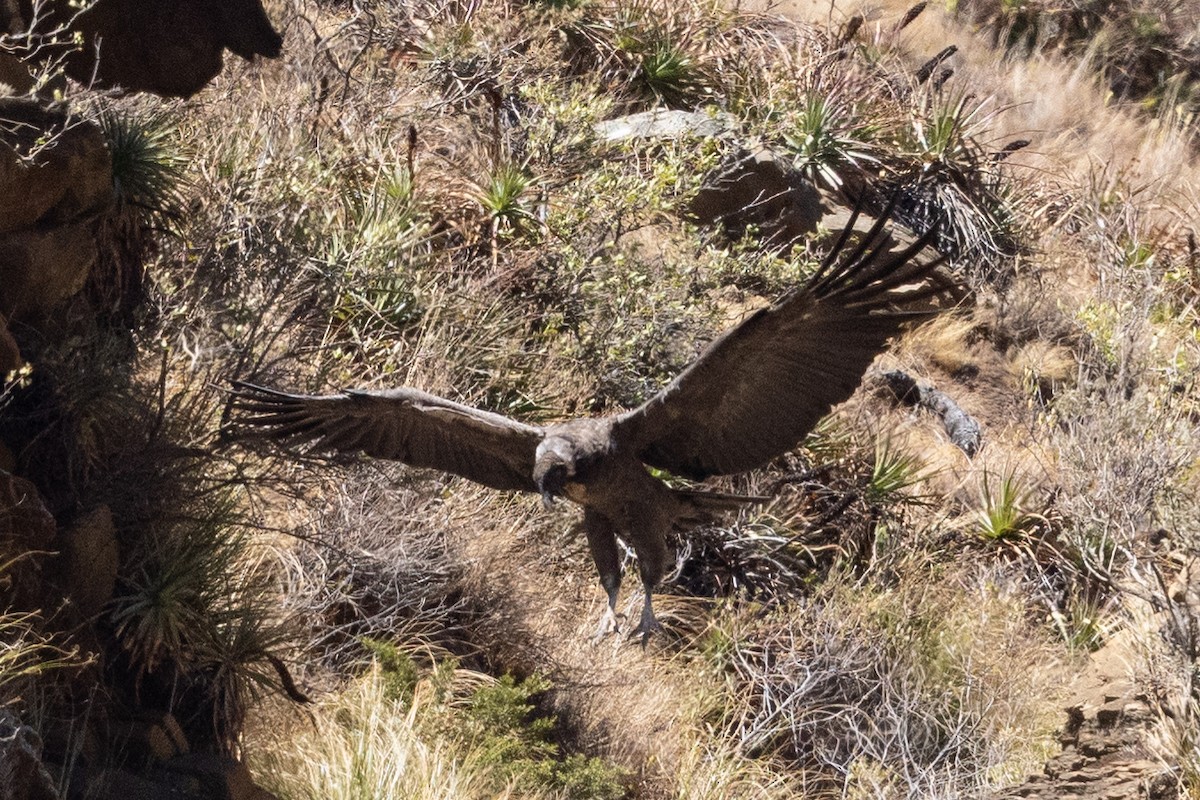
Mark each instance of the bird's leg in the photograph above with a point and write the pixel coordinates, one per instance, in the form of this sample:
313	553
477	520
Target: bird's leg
608	620
652	556
602	542
649	623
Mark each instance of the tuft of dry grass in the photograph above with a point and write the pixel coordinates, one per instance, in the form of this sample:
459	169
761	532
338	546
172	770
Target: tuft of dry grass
362	744
946	342
1043	366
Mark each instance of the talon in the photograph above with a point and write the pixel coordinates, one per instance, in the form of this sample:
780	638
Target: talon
645	630
649	623
608	624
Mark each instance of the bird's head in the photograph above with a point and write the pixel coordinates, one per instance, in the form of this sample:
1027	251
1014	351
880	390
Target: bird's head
555	466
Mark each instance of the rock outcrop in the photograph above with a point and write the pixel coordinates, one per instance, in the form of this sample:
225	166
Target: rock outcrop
759	188
55	184
1104	753
168	47
753	188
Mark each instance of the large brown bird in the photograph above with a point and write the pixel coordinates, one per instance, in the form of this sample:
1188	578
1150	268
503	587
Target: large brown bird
749	397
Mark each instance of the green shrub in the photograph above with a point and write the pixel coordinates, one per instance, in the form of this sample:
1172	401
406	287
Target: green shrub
499	725
400	672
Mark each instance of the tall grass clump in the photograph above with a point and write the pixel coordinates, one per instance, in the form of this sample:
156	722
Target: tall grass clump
405	730
365	744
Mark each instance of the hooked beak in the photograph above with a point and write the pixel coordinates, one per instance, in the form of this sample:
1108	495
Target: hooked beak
547	499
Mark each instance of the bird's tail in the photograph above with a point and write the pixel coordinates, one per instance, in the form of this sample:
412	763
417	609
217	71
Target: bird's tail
698	507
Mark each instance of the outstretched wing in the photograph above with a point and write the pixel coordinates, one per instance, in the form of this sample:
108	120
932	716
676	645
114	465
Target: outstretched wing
406	425
764	384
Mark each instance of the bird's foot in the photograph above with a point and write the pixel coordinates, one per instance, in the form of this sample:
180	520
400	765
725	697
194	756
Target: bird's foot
609	623
648	625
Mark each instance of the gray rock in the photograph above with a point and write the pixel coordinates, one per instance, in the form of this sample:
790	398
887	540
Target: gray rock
661	123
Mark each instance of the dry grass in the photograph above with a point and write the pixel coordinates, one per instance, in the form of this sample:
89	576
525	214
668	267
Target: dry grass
362	744
908	689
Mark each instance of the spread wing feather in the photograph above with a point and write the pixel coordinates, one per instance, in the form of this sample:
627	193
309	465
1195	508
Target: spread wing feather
764	384
417	428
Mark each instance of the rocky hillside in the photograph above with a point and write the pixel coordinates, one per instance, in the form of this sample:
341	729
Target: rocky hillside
978	577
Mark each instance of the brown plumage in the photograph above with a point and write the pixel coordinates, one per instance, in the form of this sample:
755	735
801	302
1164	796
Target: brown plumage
752	395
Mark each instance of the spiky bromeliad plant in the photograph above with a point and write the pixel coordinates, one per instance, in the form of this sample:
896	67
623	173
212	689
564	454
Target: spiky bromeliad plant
648	48
1003	515
504	195
670	74
148	178
197	612
147	162
893	472
824	136
948	179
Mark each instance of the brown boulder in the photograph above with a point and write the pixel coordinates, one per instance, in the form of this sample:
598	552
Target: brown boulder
53	167
119	784
55	184
763	190
88	561
40	269
151	738
168	47
212	776
27	535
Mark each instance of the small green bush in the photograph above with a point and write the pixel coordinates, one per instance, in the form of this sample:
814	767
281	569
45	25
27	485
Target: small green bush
499	724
